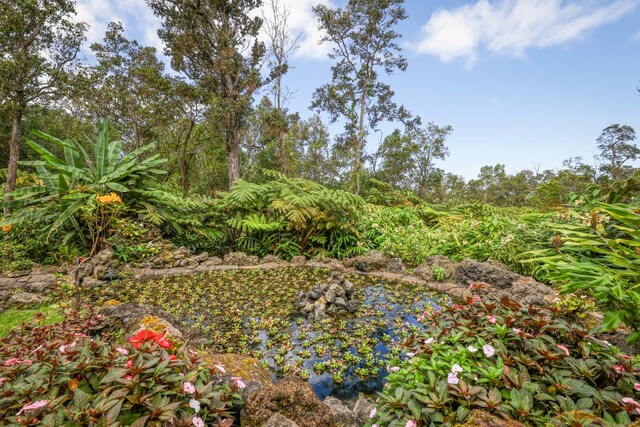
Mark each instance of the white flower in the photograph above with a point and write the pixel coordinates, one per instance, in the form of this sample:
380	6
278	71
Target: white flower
472	349
456	368
195	405
488	350
373	413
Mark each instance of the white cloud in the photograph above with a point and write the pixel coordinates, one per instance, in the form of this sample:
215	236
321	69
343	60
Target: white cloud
140	22
510	27
303	21
137	18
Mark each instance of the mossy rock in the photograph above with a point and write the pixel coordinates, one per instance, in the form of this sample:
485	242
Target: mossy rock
110	303
485	419
239	365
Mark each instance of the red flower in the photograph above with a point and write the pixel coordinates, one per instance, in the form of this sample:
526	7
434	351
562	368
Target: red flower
619	368
148	335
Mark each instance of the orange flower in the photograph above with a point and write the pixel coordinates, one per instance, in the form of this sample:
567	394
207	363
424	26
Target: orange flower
7	228
109	198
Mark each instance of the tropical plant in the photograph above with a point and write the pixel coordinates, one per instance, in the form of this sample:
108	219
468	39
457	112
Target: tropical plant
598	250
290	216
56	375
76	193
516	362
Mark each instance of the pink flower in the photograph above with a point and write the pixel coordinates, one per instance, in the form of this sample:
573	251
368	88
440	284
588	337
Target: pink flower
26	362
563	348
238	382
373	413
429	340
394	368
619	368
129	363
488	350
220	368
517	331
636	386
2	380
626	357
79	335
197	422
33	406
411	423
128	377
188	388
631	405
491	318
452	378
122	350
12	361
63	348
456	368
475	299
411	354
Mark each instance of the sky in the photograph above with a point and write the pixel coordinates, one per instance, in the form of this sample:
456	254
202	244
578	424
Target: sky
525	83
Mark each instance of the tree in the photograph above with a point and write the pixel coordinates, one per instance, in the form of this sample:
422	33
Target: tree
281	44
215	43
127	87
408	160
616	149
364	43
39	44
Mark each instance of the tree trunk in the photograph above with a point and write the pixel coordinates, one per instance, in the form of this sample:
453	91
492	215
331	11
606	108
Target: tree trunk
357	167
233	154
182	157
282	146
14	156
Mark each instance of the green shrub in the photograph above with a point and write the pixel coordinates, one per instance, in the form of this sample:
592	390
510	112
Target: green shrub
522	363
55	375
292	216
598	251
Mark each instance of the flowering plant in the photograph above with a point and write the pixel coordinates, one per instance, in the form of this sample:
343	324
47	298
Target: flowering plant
522	363
56	375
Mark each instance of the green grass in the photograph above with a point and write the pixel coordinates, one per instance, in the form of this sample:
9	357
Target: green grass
11	318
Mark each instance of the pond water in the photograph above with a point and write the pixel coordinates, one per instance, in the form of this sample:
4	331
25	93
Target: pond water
253	312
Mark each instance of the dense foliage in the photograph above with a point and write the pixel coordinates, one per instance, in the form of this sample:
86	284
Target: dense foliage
56	375
522	363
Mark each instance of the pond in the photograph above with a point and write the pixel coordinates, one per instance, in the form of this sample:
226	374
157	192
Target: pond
254	312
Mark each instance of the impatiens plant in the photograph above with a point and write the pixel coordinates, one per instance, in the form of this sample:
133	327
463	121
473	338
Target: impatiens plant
522	363
56	375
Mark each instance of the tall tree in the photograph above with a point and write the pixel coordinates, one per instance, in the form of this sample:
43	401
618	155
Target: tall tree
281	44
215	43
39	44
127	87
364	43
616	148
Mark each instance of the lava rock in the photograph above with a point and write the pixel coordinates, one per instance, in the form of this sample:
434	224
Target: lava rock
425	270
493	273
484	419
279	420
342	415
240	259
25	300
372	262
362	409
396	266
292	398
272	259
298	260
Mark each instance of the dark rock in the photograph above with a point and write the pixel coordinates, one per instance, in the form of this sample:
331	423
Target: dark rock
425	270
362	409
484	419
352	306
315	292
497	275
40	287
396	266
340	302
342	415
372	262
128	316
201	257
279	420
348	288
188	262
240	259
90	282
25	300
298	260
105	272
18	273
292	398
619	339
272	259
105	266
212	261
84	270
349	262
181	253
527	291
5	295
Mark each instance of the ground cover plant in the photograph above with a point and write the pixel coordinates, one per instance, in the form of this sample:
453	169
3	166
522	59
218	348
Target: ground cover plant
227	308
522	363
56	375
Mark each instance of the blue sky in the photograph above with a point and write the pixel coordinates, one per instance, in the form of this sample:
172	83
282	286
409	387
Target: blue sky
526	83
